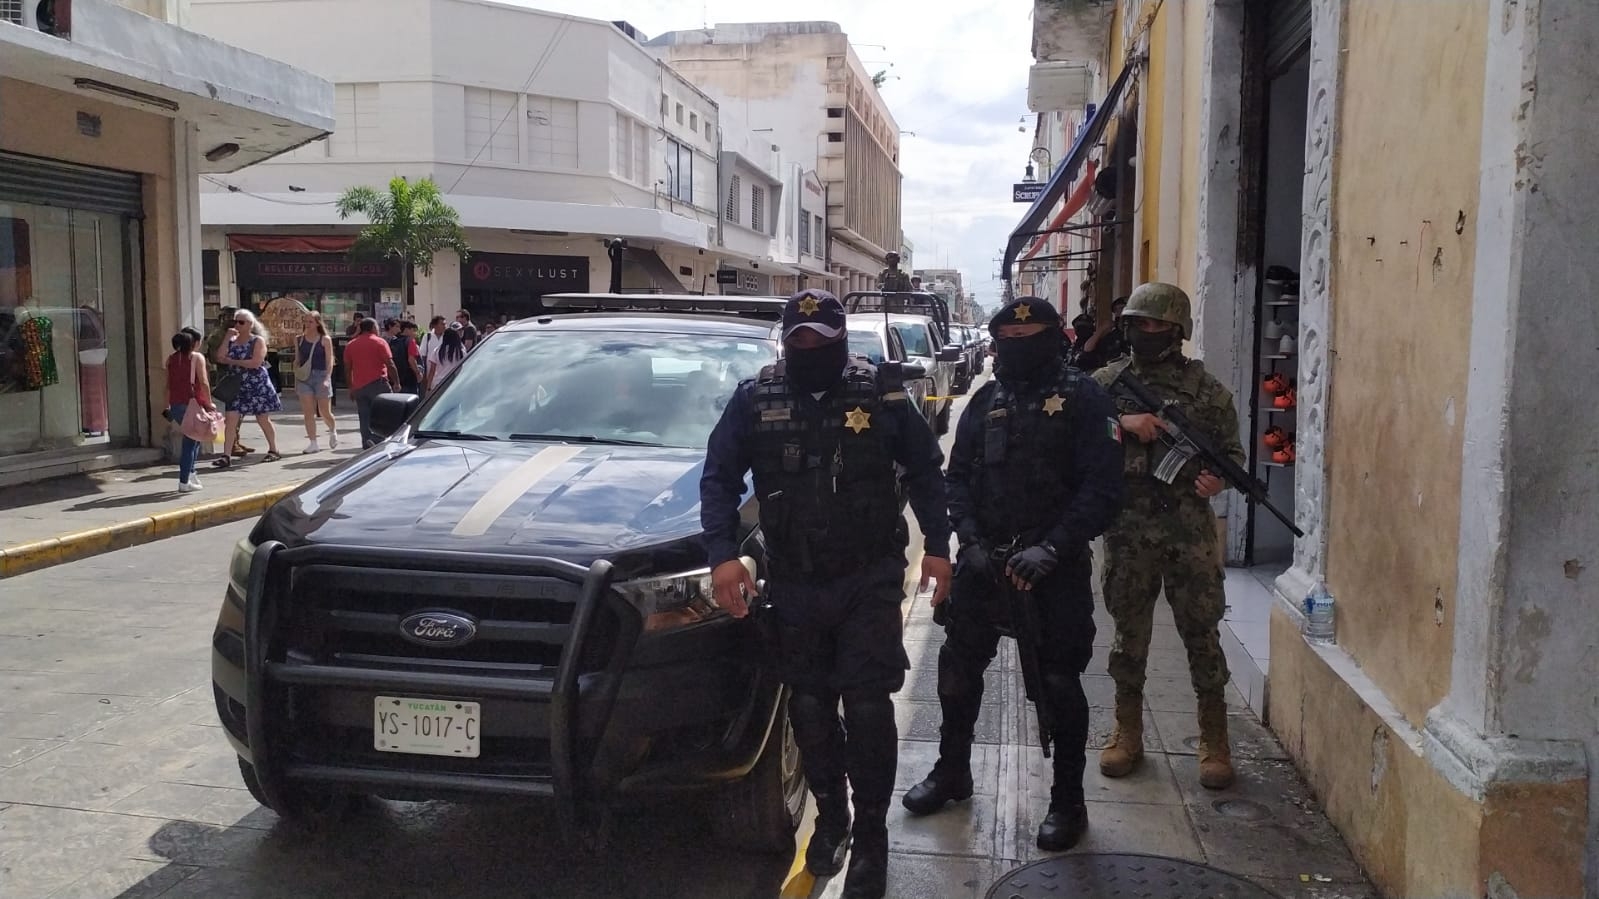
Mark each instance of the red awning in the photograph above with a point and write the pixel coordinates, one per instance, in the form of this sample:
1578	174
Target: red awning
1074	204
290	243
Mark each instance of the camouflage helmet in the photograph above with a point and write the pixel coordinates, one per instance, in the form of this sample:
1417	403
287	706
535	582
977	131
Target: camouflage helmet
1163	303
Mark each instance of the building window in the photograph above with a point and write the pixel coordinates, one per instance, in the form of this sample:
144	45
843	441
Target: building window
804	232
358	128
680	113
835	112
758	208
821	238
734	187
694	121
552	132
679	171
710	132
491	135
632	150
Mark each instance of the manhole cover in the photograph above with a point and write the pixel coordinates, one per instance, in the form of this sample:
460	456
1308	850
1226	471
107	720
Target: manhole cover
1241	808
1112	876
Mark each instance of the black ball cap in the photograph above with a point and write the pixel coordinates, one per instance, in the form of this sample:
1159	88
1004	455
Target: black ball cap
817	310
1025	311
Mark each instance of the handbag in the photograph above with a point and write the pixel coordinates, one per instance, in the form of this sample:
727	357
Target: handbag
228	385
302	370
200	424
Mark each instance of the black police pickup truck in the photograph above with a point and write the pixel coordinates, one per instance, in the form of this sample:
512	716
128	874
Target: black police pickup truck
508	596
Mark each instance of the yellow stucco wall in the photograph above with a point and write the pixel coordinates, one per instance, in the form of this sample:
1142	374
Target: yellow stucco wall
1405	217
1193	80
1152	89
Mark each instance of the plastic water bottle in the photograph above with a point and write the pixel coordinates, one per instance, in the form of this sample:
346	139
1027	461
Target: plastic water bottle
1319	614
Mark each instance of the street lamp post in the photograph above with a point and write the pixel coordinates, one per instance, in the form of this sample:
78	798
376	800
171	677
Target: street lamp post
1047	160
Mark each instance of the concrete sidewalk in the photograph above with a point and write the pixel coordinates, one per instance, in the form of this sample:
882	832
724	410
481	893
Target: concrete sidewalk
65	519
1266	829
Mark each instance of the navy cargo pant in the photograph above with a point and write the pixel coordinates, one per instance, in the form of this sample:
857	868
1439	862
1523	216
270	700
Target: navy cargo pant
841	640
971	638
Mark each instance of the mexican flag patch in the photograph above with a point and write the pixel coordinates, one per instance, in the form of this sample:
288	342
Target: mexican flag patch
1114	429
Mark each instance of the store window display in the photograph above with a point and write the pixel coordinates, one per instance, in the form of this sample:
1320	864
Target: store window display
65	335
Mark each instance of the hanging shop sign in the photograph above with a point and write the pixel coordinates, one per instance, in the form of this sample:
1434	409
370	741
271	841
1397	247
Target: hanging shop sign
1026	191
526	272
280	271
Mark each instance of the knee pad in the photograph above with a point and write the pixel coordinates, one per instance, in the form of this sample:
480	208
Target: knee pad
815	717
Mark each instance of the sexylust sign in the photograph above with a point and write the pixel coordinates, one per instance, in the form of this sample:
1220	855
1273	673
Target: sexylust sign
526	272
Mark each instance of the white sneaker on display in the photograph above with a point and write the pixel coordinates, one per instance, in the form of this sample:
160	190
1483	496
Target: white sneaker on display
313	446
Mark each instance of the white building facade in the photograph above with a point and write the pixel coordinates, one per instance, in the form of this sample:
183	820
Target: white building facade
110	114
549	134
803	83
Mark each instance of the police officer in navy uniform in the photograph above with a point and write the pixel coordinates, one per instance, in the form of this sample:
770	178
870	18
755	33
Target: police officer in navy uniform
823	431
1035	474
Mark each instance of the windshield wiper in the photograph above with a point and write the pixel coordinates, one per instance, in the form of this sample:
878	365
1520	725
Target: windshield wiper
585	438
452	435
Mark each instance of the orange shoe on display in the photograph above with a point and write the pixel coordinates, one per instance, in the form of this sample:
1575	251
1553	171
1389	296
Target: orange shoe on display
1275	438
1275	384
1284	456
1284	400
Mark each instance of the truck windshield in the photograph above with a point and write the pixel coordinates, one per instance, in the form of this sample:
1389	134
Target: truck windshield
915	339
868	344
659	389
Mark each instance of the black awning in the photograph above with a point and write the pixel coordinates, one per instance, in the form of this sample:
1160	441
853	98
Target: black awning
1061	180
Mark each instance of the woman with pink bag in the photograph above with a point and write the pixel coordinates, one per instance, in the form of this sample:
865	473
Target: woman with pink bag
189	406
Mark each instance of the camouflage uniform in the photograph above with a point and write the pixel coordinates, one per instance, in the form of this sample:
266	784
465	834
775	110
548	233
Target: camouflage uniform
893	279
1165	537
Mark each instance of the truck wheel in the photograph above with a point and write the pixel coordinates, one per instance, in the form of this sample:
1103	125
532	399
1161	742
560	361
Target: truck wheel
300	807
941	424
760	813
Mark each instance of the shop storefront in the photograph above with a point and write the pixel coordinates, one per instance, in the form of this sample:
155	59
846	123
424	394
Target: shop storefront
325	282
68	268
499	287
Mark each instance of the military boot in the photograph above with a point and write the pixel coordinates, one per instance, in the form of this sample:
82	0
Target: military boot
830	840
1064	826
1215	756
868	859
1126	749
949	781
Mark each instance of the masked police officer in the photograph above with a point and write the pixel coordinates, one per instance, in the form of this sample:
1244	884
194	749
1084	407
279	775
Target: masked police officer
1035	475
823	431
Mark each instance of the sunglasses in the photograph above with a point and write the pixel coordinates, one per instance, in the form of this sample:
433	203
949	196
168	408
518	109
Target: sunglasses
241	321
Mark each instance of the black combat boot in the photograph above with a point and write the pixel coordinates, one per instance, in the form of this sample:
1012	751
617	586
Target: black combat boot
830	840
1063	827
868	859
949	781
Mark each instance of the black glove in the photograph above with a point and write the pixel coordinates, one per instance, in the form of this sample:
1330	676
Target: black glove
1033	564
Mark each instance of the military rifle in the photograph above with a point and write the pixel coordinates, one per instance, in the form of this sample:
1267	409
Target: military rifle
1185	441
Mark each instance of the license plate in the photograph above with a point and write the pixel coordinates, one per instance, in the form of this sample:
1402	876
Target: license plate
426	726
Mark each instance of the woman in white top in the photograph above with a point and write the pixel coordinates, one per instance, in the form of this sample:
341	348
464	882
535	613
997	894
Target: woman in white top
444	357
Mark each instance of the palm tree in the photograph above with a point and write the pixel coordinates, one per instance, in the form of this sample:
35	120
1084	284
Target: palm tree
408	222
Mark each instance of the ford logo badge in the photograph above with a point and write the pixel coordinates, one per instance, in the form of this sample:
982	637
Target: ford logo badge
440	630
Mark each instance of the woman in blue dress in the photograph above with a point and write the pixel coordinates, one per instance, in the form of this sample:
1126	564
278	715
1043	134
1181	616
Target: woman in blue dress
246	350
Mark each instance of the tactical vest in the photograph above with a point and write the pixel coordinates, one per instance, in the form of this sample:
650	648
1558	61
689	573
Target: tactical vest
824	472
1023	458
1181	382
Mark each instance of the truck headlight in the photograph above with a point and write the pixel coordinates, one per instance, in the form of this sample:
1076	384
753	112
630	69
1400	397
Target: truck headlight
239	570
673	600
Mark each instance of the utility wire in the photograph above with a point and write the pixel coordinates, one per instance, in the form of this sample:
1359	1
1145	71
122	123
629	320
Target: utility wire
549	51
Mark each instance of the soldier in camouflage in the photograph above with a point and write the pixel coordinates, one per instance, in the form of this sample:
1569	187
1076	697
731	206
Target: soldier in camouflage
892	279
1165	535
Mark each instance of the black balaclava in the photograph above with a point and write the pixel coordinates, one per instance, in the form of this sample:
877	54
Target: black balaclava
1021	358
815	369
1153	346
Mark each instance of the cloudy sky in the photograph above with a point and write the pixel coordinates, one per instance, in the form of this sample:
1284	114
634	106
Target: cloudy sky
961	86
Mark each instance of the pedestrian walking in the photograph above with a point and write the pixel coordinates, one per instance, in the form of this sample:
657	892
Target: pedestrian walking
313	381
430	340
242	364
1165	536
188	383
370	368
215	343
446	356
1035	474
823	433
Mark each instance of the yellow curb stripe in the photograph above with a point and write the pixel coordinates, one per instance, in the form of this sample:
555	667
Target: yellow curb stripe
83	544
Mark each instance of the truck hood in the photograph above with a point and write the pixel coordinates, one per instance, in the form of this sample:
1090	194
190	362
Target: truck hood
638	506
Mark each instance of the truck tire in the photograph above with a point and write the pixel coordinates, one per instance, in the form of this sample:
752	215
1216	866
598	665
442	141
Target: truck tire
301	808
760	813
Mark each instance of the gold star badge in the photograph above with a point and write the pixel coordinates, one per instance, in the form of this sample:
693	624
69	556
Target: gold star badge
809	305
1053	404
857	419
1022	313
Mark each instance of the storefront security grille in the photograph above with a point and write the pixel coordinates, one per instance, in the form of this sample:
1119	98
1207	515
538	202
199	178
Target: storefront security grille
27	179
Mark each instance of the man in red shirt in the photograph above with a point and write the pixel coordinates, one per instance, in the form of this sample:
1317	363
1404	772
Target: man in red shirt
370	370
